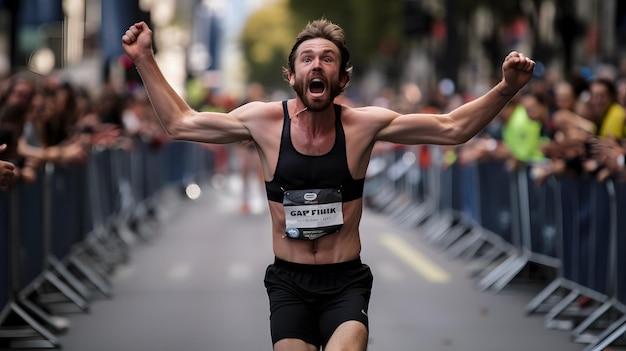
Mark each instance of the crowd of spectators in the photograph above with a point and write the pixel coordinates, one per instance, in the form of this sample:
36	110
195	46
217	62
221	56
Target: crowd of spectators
560	126
556	125
46	119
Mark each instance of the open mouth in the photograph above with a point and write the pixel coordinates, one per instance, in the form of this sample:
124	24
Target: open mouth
317	86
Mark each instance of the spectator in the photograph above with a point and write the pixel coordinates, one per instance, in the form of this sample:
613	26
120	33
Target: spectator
567	117
7	173
14	104
605	112
522	134
51	133
609	154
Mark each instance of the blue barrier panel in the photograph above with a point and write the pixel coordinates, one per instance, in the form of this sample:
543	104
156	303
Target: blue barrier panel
101	189
109	191
155	168
4	249
585	232
448	189
596	243
457	190
87	218
543	206
445	186
95	203
621	241
469	193
30	226
495	199
176	154
569	200
600	241
66	209
138	169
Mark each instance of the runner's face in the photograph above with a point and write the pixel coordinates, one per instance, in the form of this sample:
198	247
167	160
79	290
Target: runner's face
316	79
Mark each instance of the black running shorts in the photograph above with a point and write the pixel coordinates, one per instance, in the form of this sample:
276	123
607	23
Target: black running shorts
308	302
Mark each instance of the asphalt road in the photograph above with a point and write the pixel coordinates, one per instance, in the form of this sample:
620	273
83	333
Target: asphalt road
198	285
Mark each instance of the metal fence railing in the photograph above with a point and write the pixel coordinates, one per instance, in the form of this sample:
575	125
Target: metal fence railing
572	228
62	235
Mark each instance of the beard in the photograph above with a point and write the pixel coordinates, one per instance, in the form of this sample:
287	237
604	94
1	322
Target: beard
316	104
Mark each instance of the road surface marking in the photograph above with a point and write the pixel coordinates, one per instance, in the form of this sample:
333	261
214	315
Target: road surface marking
239	271
415	259
179	271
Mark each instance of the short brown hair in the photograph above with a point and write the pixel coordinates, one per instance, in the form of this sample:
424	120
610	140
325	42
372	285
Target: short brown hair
325	29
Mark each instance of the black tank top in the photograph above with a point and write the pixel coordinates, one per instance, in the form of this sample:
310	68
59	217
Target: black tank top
295	171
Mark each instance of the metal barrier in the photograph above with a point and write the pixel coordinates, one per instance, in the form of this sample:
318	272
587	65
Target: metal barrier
618	328
503	220
621	241
62	236
535	234
473	226
394	182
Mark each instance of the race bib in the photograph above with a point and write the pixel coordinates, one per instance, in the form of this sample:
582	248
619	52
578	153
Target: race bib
312	213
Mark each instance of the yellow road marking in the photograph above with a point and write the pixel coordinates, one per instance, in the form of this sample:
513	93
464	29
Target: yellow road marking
414	259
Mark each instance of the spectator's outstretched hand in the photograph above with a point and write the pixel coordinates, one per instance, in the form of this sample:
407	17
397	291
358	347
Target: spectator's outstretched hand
137	41
609	153
7	173
517	70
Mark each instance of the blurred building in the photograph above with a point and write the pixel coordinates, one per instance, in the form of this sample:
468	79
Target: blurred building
196	37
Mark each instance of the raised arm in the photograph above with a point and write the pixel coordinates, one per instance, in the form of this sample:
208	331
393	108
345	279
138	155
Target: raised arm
466	121
178	119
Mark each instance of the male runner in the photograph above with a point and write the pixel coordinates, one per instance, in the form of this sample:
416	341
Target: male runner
314	155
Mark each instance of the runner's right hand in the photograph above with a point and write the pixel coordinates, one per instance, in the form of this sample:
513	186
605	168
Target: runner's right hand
137	41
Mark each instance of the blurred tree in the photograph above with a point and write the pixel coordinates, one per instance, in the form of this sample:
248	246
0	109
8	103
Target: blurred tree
372	28
378	32
266	42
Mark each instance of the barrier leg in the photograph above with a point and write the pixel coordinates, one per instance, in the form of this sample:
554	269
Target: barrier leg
551	320
96	279
106	257
543	296
473	250
440	227
512	272
609	336
417	214
15	321
432	221
475	237
494	275
68	277
579	335
454	234
486	260
66	292
28	334
58	324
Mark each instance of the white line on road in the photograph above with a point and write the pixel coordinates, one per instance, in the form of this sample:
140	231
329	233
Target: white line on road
179	271
415	259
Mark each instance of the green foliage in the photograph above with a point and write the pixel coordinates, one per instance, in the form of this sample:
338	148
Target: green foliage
266	41
368	24
270	32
